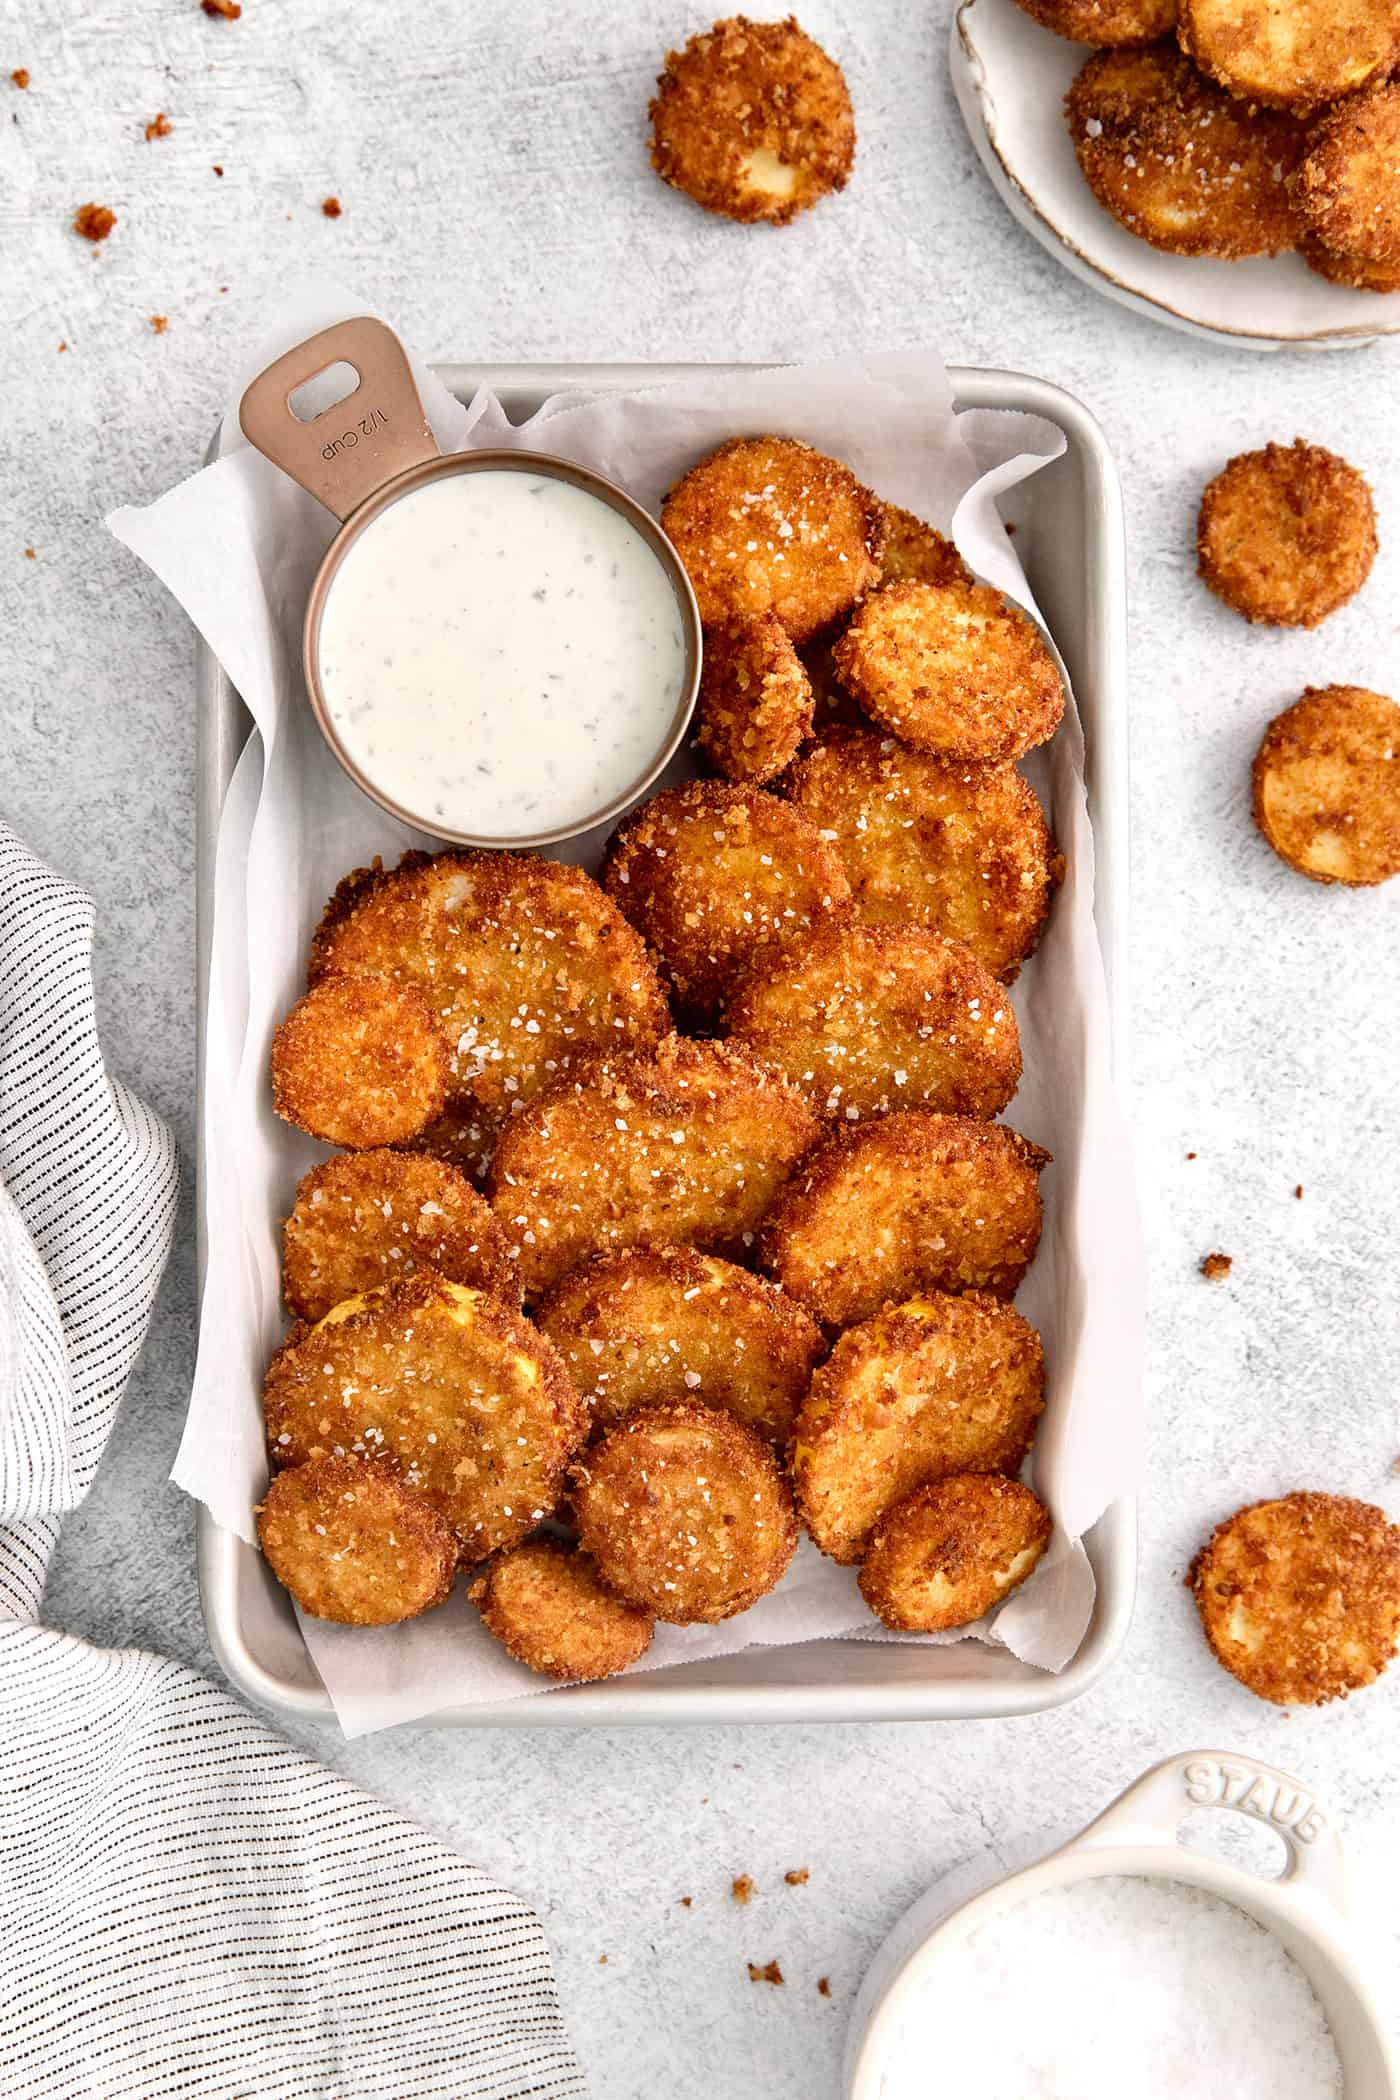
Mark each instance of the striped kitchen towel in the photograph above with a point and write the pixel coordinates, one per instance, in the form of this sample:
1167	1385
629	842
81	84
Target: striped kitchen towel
186	1905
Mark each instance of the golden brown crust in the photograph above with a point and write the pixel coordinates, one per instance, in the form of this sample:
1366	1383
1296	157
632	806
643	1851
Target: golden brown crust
903	1205
933	1387
916	552
1171	157
1286	534
958	846
354	1544
766	524
1347	187
665	1323
866	1019
1294	54
454	1389
1106	24
755	704
1327	785
1354	271
685	1512
753	120
688	1146
952	1551
366	1218
525	961
1300	1598
713	877
952	667
359	1061
547	1605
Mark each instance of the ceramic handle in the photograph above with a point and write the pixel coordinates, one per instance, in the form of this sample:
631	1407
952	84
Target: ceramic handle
352	448
1152	1809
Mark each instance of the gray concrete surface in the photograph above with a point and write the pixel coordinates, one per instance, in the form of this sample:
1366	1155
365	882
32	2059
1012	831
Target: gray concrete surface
490	163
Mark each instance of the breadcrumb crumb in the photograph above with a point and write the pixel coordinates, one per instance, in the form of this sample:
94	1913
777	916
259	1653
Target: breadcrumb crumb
20	77
93	221
228	10
160	127
1216	1267
742	1888
769	1972
797	1877
824	1986
159	323
331	206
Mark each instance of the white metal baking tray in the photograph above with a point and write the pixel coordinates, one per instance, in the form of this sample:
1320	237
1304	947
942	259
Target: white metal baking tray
1069	525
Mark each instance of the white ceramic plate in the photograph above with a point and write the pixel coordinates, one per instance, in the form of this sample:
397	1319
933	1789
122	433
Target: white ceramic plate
1010	78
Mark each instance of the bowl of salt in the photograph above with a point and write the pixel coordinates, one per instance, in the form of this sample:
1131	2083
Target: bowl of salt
1128	1963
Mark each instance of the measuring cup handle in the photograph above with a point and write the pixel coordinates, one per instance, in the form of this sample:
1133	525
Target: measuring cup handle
350	449
1151	1811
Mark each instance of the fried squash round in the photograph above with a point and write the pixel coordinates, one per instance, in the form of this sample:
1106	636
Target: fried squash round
866	1019
1294	54
547	1605
1170	156
524	961
1300	1598
959	846
936	1386
1107	24
366	1218
714	877
687	1147
904	1205
952	667
767	524
456	1390
755	705
1287	534
685	1512
916	552
665	1323
1348	185
1357	272
360	1061
352	1543
950	1552
1327	785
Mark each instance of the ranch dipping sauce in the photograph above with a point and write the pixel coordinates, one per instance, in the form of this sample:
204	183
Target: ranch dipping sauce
501	653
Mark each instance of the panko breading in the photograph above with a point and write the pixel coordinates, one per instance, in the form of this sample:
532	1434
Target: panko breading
1287	534
1300	1598
455	1389
952	667
1354	271
1327	785
1175	160
904	1205
548	1607
1105	23
755	704
525	962
957	845
937	1386
687	1147
353	1543
766	524
714	877
665	1323
360	1061
1292	53
366	1218
753	121
917	553
1347	187
952	1551
685	1512
871	1018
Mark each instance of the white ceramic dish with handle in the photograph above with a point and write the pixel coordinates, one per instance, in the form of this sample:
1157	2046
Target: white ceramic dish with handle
1306	1908
1010	77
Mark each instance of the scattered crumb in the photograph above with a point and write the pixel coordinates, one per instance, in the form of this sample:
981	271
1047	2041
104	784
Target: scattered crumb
159	323
686	1902
1190	1155
1011	532
93	221
1298	1192
217	169
824	1986
795	1877
1216	1267
30	555
160	127
62	347
742	1888
769	1973
230	10
20	76
602	1961
331	207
